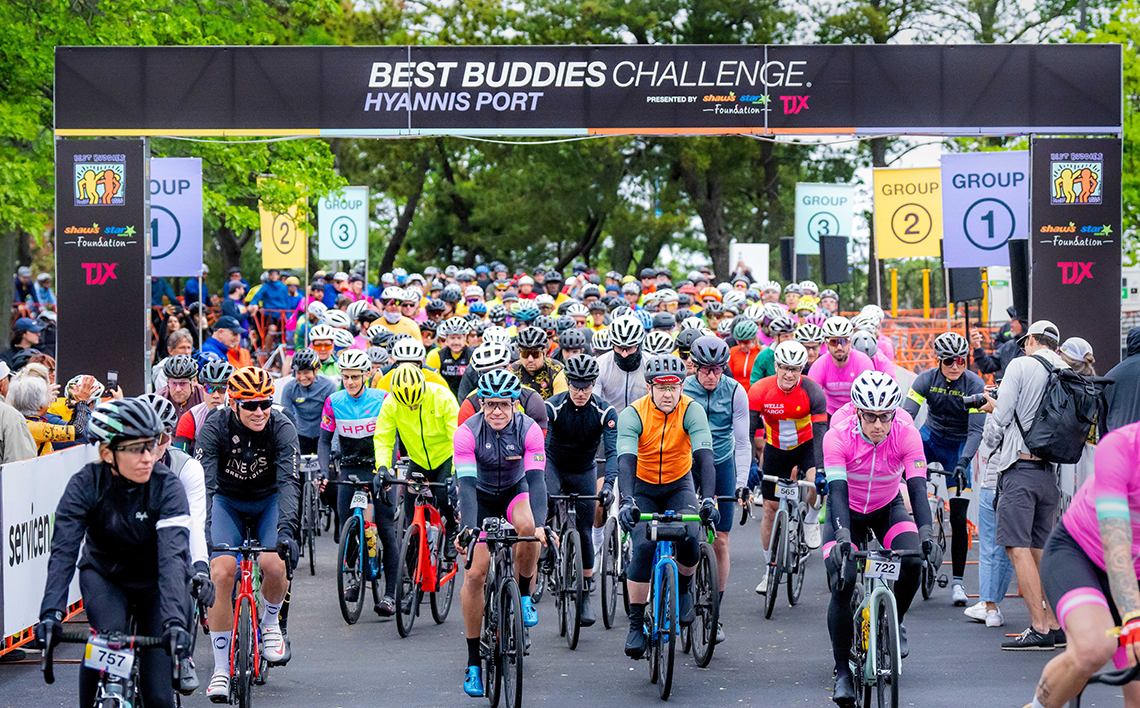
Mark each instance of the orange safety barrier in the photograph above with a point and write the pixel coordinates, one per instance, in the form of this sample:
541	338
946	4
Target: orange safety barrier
27	636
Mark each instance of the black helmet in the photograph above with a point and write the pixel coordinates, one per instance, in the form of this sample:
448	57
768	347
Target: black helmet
553	276
709	351
664	320
564	323
647	273
436	305
123	419
683	314
572	339
497	313
379	336
665	366
451	294
542	322
428	326
686	338
180	366
307	360
219	372
532	338
582	367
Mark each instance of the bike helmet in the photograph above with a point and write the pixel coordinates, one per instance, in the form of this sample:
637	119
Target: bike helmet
451	294
392	293
710	292
688	323
337	319
621	310
250	382
710	351
477	308
499	383
380	336
601	341
577	309
817	318
874	311
453	325
428	326
497	314
657	342
342	339
317	309
321	331
807	286
829	293
582	367
473	291
781	325
165	410
735	301
497	335
564	323
490	355
123	419
837	327
875	391
664	320
354	359
408	385
408	349
527	312
790	354
865	323
378	355
666	369
809	334
533	338
180	366
355	309
770	287
865	342
626	332
806	304
435	305
645	318
543	300
744	330
724	329
754	313
772	311
714	308
572	339
685	339
96	390
950	344
793	288
219	372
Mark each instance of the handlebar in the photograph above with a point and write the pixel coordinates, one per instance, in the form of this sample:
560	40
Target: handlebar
886	553
575	497
114	640
1118	677
784	480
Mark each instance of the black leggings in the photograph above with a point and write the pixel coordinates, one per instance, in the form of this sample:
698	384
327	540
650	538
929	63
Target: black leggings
384	514
110	608
677	496
585	483
894	528
441	498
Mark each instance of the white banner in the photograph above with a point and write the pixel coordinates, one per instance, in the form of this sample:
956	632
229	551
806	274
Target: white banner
342	225
29	494
175	217
823	210
753	255
985	203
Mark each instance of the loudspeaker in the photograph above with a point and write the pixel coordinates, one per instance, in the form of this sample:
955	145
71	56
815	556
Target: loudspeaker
833	260
1019	275
965	284
787	252
803	268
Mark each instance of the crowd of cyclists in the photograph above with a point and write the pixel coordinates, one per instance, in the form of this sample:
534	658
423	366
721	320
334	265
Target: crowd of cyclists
626	391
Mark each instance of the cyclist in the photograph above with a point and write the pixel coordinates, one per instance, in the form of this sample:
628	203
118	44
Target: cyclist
836	370
392	300
788	420
497	356
500	464
451	360
864	341
951	436
249	455
426	439
745	352
131	516
1089	570
811	336
725	403
350	414
685	340
214	376
181	387
577	421
321	341
621	377
865	456
405	350
303	399
782	329
664	445
534	368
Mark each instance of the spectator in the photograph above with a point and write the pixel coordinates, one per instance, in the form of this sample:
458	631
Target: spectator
30	396
1078	354
234	274
225	342
233	307
293	284
272	295
24	290
355	289
180	341
1003	354
25	335
190	291
16	441
1123	398
1027	485
47	319
995	571
160	289
44	294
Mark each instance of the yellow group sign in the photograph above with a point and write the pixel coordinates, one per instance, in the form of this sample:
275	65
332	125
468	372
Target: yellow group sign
283	245
908	213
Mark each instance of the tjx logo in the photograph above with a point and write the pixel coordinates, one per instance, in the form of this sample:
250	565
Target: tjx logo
1074	272
99	273
794	104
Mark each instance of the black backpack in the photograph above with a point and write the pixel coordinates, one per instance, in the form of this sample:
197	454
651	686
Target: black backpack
1067	411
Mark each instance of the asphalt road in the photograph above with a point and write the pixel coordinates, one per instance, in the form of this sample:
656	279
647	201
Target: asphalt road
784	661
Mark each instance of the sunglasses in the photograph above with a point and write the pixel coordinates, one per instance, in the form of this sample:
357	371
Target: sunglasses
321	347
710	370
138	448
386	303
256	405
954	361
215	388
498	406
869	417
837	342
530	353
178	383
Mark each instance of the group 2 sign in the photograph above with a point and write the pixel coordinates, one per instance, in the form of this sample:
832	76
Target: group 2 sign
908	213
176	217
342	225
985	203
823	210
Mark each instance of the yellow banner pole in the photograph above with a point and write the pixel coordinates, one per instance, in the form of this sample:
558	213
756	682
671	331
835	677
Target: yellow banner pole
894	292
926	293
985	296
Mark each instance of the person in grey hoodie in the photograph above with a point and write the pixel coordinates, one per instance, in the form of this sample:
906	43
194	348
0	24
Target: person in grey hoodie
1123	399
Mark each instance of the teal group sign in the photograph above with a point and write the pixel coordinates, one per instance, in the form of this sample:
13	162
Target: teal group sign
342	221
823	210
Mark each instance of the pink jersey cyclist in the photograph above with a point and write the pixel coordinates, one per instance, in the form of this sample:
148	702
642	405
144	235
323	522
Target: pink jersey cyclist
872	472
836	382
1113	491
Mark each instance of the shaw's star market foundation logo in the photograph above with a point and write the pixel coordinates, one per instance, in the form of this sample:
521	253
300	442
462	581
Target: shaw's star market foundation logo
100	180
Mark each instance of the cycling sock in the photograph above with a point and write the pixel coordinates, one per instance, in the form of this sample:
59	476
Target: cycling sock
766	558
1036	703
473	658
221	643
272	614
812	518
524	584
722	596
599	537
957	580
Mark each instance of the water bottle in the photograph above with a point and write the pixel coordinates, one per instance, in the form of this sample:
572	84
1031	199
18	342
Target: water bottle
433	538
373	538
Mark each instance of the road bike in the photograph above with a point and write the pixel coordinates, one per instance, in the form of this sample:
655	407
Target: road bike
932	567
501	640
112	654
310	509
787	548
424	563
358	558
700	636
567	579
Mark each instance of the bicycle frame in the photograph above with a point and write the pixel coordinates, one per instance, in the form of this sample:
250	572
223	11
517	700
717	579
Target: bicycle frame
426	514
244	591
874	589
368	563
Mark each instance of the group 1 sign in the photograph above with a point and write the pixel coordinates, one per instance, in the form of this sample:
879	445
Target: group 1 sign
985	204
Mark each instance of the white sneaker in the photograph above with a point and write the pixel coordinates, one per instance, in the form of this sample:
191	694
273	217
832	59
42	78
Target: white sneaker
762	588
959	596
812	536
976	612
272	644
994	618
219	689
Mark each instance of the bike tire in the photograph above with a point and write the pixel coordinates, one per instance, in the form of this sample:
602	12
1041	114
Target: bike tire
243	671
350	569
611	548
927	581
667	631
706	602
313	512
799	554
407	592
573	581
513	645
441	599
626	560
886	654
775	564
651	628
542	576
491	638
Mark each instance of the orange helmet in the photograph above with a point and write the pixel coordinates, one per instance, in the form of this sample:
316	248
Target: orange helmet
250	382
710	292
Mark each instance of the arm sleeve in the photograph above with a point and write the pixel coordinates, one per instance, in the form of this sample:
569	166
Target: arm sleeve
184	433
466	410
985	363
48	433
609	444
917	394
324	453
696	423
79	420
173	530
628	433
741	437
914	469
194	483
466	470
384	439
67	533
835	467
287	406
534	464
288	464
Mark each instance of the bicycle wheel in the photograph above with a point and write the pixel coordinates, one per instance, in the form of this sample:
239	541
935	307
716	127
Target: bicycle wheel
798	557
243	655
928	578
651	630
311	522
491	638
572	582
546	565
886	654
706	602
512	644
667	626
350	570
611	547
441	598
408	592
775	563
626	559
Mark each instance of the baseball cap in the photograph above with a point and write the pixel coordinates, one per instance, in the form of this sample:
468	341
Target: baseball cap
230	323
24	272
1076	348
4	370
482	269
25	324
341	275
1044	327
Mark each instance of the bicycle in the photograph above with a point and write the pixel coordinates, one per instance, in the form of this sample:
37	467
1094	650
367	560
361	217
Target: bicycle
360	563
501	640
310	509
706	587
787	549
939	507
424	565
876	658
1119	677
568	579
111	654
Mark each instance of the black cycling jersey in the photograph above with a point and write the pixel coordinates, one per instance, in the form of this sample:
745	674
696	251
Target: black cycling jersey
946	416
452	367
573	434
134	535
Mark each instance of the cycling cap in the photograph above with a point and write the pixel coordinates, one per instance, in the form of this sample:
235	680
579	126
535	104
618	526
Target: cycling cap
790	354
710	351
354	359
665	369
950	344
250	382
875	391
180	366
408	385
838	327
123	419
499	383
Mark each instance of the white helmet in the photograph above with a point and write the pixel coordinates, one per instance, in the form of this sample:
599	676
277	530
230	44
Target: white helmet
317	309
809	333
875	391
773	310
949	345
497	335
865	323
754	313
342	339
706	332
392	293
791	354
875	311
735	298
626	332
771	286
601	341
453	325
412	295
668	295
865	342
473	291
658	342
354	359
490	355
408	349
543	300
577	310
356	309
837	327
321	331
337	318
690	323
809	285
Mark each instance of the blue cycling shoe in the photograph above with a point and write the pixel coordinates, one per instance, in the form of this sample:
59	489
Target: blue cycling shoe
530	615
473	682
